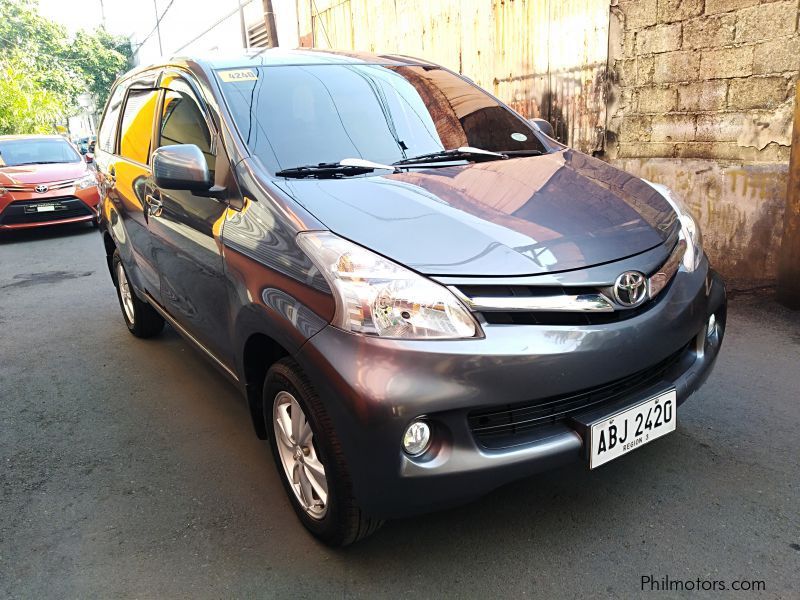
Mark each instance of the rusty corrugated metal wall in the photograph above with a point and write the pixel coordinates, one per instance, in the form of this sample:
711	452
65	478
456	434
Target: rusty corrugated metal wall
542	57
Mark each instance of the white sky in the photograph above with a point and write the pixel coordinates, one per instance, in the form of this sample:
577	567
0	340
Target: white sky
183	21
122	16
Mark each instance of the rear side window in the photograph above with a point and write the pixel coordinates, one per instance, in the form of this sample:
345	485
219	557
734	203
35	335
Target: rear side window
137	125
182	122
108	128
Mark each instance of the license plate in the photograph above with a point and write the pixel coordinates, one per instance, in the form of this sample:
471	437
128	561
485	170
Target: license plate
632	428
45	208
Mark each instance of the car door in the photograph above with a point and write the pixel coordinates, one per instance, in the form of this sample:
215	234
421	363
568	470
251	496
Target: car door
131	181
186	229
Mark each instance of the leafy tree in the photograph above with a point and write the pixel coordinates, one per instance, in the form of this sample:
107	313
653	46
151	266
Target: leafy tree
56	68
25	106
100	57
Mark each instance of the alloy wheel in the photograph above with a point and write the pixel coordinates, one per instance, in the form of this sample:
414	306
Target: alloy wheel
125	293
295	443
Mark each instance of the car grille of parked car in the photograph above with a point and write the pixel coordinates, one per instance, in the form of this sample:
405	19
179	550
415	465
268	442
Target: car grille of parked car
510	424
30	187
24	211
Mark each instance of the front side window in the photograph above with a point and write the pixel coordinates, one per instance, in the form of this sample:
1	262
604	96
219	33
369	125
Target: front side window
36	151
108	128
182	122
305	115
137	125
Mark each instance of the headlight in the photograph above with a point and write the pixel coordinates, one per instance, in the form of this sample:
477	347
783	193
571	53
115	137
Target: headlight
86	182
376	296
2	190
690	230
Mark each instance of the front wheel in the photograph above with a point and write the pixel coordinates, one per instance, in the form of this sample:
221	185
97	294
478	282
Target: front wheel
142	319
309	458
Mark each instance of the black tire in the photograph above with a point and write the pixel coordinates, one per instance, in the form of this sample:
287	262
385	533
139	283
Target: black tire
146	322
344	522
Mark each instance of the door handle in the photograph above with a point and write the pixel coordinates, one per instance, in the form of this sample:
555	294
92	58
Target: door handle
154	205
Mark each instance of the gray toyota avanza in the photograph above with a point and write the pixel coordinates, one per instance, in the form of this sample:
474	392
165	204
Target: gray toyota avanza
421	295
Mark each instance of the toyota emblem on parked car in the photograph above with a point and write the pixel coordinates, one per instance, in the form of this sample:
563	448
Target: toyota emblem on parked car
41	188
630	289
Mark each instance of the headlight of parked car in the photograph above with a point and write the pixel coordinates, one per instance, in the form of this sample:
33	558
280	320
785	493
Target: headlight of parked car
690	230
86	181
376	296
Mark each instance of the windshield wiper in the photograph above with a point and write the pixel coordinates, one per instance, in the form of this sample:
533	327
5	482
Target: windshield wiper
462	153
524	152
342	168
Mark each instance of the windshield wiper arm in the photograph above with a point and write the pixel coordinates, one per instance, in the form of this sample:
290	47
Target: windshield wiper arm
462	153
531	152
344	167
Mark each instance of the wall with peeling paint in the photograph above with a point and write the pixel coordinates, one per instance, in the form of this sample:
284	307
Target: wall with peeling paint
701	99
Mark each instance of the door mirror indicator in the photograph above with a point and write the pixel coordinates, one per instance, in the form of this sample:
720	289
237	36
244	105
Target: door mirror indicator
181	167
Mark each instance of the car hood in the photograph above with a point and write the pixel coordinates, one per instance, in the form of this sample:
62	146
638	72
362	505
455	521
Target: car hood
42	173
521	216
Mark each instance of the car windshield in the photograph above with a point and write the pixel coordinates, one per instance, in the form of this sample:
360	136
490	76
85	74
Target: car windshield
305	115
36	151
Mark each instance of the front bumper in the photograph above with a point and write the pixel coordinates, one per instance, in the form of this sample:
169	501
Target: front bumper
374	388
70	205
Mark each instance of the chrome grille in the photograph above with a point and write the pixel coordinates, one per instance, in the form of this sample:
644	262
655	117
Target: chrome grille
563	305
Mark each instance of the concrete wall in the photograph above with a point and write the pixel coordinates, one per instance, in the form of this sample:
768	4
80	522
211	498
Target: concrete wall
701	99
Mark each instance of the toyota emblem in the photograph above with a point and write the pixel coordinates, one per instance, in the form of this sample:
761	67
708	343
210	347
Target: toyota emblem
41	188
630	289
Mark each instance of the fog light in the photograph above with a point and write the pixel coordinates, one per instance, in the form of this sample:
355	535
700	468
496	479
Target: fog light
711	328
417	438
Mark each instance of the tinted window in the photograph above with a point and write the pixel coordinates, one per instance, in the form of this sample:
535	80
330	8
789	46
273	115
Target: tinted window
137	124
296	115
108	128
182	122
33	151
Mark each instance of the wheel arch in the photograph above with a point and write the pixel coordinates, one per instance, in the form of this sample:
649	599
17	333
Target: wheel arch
260	352
110	246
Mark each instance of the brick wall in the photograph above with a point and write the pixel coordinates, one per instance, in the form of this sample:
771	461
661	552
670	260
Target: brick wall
702	100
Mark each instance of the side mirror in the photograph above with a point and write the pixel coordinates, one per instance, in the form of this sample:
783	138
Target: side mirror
181	167
544	126
88	157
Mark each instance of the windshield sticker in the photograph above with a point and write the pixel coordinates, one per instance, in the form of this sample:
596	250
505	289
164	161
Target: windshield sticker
520	137
232	76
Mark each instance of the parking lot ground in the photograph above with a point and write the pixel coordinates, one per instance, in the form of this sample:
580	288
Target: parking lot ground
129	468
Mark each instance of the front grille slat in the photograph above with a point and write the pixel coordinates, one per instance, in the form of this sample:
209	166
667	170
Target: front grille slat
510	420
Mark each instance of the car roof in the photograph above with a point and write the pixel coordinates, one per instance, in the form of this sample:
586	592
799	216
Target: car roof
32	136
276	57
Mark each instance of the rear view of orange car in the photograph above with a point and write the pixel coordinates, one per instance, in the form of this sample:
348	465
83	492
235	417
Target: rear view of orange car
44	181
